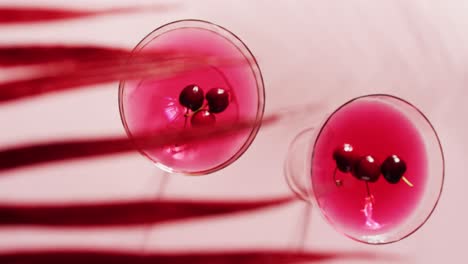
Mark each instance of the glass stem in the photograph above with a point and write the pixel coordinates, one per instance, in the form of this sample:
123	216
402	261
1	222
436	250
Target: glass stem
164	182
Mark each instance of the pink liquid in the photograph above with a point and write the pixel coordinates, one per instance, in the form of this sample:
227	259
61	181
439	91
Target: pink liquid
379	129
149	105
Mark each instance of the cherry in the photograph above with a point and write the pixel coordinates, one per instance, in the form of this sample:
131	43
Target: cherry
203	118
367	169
345	157
218	100
191	97
393	169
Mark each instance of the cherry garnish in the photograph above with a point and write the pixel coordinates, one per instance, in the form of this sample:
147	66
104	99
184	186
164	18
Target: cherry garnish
345	157
393	169
192	97
218	100
203	118
367	169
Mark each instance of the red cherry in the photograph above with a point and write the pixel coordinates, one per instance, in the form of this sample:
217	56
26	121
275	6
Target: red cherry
191	97
203	118
393	169
345	157
367	168
218	100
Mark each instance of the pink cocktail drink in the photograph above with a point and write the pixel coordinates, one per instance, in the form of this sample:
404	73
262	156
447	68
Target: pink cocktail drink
374	168
154	104
381	130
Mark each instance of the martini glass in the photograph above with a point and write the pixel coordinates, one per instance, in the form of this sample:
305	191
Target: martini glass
372	132
150	104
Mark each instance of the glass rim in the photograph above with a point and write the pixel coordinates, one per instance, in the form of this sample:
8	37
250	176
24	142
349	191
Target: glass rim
254	67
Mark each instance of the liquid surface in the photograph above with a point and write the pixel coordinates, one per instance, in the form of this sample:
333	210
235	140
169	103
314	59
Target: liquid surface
374	128
150	105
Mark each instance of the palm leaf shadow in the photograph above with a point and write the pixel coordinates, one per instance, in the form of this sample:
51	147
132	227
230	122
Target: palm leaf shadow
253	256
12	15
125	213
20	55
64	68
18	157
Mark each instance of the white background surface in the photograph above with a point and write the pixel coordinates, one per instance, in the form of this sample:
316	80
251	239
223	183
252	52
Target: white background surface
324	52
